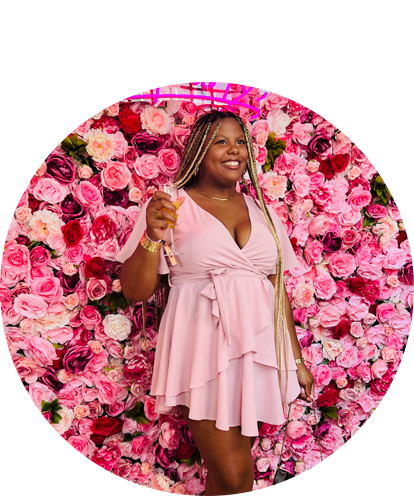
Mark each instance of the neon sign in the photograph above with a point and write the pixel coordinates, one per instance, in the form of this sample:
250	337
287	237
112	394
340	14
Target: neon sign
204	94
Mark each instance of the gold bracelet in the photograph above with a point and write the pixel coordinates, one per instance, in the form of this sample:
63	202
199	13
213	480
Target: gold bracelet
150	245
299	360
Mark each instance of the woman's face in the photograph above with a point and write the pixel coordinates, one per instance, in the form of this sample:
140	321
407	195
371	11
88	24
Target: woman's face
226	159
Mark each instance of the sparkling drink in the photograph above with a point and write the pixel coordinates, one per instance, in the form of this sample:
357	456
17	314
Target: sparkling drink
177	205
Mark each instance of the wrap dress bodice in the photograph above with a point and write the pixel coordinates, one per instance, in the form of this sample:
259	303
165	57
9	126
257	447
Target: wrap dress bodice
215	349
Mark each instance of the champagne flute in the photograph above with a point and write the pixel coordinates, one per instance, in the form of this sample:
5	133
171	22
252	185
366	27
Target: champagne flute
172	190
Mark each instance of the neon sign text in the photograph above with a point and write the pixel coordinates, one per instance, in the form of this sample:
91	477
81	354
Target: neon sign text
217	94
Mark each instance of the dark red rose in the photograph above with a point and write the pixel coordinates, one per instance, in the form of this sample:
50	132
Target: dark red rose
294	242
150	320
106	123
69	284
118	198
165	457
320	141
71	209
37	98
34	204
72	232
340	162
328	398
185	451
103	228
130	121
49	379
77	358
342	329
407	273
60	168
23	240
381	385
95	267
326	168
58	363
370	290
137	369
402	236
146	143
332	242
107	426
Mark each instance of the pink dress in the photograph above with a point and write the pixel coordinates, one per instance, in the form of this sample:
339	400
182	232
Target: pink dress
216	348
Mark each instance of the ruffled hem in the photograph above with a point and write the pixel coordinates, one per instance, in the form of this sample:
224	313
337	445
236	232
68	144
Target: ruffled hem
243	394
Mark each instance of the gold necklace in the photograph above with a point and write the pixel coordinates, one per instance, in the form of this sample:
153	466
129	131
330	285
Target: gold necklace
222	199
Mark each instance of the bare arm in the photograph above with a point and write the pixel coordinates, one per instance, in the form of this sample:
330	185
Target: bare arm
305	378
139	274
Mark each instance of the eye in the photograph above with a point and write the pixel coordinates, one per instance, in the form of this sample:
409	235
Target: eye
242	140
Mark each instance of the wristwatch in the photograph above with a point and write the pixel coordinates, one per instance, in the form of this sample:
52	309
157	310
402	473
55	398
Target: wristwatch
299	360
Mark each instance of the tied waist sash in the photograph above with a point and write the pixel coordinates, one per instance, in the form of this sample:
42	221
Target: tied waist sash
215	292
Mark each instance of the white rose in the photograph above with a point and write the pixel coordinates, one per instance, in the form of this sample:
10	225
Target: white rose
66	421
278	121
117	327
360	435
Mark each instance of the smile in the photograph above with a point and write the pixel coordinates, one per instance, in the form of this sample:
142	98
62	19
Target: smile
232	164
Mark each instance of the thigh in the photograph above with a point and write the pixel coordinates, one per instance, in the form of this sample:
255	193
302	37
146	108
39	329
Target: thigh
226	453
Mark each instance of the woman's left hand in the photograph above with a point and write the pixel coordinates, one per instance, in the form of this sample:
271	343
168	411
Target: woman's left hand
307	381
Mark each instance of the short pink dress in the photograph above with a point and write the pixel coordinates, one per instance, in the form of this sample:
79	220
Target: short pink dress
216	348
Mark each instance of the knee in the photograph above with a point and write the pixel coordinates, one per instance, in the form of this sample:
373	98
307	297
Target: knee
236	478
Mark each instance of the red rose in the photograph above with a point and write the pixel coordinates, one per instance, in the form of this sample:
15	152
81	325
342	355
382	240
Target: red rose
103	228
107	426
34	204
342	329
72	232
328	398
370	290
37	98
340	162
326	168
95	267
130	121
185	451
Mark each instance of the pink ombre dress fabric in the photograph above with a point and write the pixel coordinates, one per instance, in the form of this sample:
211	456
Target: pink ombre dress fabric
216	348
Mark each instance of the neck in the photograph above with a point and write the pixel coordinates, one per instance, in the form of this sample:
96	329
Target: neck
216	191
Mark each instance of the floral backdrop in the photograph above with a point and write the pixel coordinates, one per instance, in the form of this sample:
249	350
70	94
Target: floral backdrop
76	343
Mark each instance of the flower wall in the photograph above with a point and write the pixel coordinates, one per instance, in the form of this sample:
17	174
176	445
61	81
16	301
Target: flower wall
76	343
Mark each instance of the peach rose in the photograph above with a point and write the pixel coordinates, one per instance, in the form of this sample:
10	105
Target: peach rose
101	145
274	185
66	421
312	166
23	214
303	295
116	176
332	348
155	120
85	172
135	195
31	127
260	131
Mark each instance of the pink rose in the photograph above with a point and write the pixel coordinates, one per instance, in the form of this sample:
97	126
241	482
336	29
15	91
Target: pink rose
366	402
180	135
31	126
296	429
400	320
260	132
41	350
357	309
348	357
47	288
88	194
81	444
39	256
301	133
49	190
85	172
364	372
388	354
74	254
187	111
121	144
155	120
303	295
319	226
329	316
170	436
379	368
169	161
316	180
313	252
40	392
33	465
354	173
322	375
115	176
90	316
8	225
376	211
395	259
359	198
16	259
147	166
301	184
325	287
342	265
108	390
60	335
357	330
14	176
107	457
385	311
96	289
371	271
30	306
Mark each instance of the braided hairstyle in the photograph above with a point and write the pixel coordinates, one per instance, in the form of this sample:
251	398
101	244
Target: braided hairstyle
193	156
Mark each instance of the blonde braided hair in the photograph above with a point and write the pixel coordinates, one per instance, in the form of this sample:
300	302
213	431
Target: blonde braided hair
192	157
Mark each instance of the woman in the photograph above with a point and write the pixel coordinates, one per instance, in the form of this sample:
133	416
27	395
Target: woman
216	358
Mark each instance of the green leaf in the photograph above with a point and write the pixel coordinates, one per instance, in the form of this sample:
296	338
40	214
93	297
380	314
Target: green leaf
275	148
137	413
52	407
368	221
33	244
330	412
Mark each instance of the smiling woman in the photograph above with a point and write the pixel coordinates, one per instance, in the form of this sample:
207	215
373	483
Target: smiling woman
224	293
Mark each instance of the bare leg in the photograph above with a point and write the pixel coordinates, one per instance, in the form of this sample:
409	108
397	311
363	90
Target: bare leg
227	455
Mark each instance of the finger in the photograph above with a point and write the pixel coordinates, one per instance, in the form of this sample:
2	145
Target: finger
163	203
168	216
160	195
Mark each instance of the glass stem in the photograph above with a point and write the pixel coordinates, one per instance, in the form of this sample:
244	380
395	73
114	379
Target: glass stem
172	241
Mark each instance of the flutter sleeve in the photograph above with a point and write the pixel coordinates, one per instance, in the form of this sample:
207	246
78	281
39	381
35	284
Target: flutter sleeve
132	242
289	257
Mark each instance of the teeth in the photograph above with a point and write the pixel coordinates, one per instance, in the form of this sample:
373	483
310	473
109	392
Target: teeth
231	163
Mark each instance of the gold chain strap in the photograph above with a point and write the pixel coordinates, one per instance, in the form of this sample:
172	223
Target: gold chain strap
284	437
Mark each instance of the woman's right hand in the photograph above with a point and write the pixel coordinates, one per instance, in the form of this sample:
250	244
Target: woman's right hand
156	227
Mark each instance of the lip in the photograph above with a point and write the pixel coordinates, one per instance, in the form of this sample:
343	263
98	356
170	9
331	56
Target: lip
232	167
